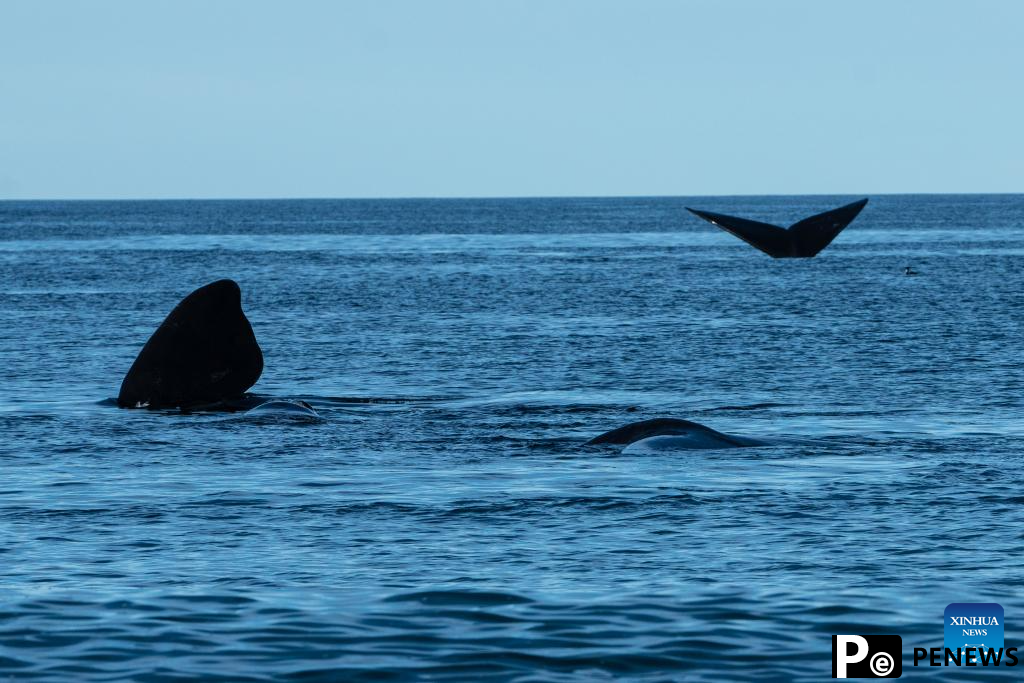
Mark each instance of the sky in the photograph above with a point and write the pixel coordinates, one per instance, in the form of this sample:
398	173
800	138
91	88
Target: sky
498	98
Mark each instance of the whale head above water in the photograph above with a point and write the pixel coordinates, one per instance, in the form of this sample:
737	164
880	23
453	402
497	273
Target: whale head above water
204	352
669	433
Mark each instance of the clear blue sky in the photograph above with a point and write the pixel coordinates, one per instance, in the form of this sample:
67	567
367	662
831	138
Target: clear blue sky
405	98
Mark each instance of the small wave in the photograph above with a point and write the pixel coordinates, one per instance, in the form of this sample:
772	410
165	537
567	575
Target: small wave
752	406
452	597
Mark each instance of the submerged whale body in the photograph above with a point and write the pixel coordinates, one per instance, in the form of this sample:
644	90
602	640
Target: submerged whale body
286	409
203	354
800	240
667	433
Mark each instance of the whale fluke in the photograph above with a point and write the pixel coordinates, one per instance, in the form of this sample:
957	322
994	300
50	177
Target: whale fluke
688	435
800	240
204	352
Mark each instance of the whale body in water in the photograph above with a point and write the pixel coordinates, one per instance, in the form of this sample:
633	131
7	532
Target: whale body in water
668	433
800	240
284	409
203	354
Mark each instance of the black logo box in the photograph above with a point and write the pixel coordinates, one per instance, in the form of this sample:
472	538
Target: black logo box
878	647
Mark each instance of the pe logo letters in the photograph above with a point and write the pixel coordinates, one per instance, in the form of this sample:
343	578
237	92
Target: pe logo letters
867	656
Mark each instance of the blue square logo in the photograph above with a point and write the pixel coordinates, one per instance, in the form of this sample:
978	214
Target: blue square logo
977	625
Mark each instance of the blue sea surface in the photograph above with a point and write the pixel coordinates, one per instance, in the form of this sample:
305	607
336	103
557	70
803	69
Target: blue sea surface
458	528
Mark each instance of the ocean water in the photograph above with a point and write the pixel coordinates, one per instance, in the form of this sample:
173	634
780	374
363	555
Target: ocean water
457	528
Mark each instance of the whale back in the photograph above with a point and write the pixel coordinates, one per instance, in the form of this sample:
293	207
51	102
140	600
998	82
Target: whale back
667	426
203	352
279	408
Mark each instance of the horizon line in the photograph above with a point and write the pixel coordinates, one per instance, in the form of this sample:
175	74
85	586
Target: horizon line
489	197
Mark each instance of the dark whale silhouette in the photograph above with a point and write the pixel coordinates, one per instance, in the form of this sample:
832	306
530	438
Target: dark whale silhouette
203	354
800	240
671	433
